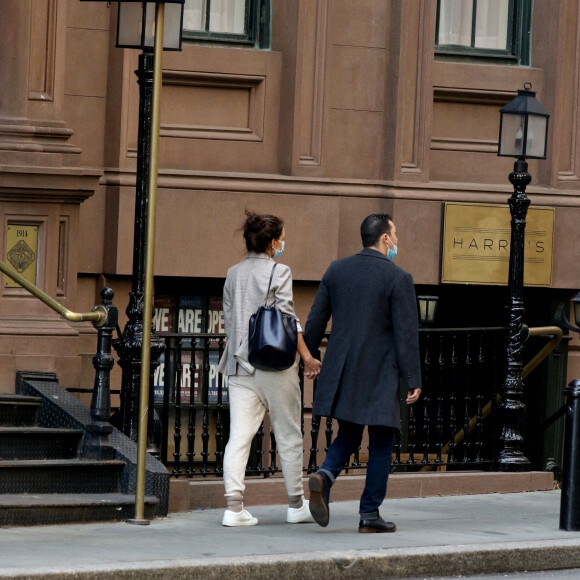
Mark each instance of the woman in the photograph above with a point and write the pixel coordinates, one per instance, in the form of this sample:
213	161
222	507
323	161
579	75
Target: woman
252	392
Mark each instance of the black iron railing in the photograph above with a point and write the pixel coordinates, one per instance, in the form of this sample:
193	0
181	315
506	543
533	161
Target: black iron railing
456	421
455	424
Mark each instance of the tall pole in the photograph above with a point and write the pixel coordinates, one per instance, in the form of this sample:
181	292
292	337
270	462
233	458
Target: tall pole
144	392
511	456
570	499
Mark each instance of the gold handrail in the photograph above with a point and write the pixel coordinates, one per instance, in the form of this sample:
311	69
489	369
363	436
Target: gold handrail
556	333
98	315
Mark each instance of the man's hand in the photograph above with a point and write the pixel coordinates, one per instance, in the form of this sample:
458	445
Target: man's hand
312	368
413	396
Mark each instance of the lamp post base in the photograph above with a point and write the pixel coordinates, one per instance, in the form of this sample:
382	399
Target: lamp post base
138	522
513	461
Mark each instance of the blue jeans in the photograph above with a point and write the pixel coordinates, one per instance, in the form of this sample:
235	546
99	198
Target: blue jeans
379	465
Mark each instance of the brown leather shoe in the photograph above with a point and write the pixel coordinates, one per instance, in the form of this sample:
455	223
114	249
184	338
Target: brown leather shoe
318	500
378	526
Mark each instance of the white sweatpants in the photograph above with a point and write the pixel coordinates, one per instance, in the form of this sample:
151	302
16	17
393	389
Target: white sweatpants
277	392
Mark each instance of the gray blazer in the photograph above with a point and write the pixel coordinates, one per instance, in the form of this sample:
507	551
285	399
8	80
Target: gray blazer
244	291
374	341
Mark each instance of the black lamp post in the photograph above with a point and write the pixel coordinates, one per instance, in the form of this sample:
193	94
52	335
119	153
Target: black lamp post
523	133
136	29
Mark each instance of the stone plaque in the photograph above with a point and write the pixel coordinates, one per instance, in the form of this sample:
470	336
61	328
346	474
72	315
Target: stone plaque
21	252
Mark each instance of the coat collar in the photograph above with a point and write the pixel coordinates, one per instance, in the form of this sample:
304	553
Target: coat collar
261	256
372	253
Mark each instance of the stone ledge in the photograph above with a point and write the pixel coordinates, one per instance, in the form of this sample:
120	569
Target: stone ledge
186	494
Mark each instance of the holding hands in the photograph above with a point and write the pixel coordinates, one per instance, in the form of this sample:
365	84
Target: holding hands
311	367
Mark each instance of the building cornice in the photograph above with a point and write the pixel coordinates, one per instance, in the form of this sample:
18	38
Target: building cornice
48	184
296	185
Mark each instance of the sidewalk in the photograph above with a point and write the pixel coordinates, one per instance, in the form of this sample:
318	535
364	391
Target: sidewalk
436	536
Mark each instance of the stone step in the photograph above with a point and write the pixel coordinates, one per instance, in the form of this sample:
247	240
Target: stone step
48	509
39	443
18	410
60	476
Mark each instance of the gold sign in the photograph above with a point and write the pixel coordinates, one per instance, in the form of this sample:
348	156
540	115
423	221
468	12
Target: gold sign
476	244
22	252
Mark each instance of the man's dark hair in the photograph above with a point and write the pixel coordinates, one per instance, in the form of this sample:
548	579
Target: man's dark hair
373	227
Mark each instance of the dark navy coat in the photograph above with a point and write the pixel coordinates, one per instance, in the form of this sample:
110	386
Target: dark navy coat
373	342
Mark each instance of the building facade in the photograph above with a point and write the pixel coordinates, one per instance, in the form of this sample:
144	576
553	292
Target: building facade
319	111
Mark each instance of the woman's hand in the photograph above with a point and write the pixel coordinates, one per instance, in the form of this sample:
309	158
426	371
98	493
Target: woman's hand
312	367
311	364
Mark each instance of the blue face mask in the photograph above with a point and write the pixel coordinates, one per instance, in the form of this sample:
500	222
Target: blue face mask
391	253
278	253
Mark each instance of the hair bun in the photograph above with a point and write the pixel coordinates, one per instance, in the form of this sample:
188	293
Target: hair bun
253	221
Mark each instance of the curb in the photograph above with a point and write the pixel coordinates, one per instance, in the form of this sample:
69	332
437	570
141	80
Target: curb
388	563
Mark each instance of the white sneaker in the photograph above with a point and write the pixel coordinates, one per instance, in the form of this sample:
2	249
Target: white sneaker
243	518
298	515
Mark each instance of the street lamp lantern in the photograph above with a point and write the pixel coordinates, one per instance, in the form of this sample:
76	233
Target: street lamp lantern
523	134
523	127
136	25
427	308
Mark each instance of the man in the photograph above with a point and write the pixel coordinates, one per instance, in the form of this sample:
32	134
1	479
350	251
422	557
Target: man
374	342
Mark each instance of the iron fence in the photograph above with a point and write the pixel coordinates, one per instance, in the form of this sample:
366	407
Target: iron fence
454	425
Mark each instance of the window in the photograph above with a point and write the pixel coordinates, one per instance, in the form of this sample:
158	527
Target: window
235	21
484	28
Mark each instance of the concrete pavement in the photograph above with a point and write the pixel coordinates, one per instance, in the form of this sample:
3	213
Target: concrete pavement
436	536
